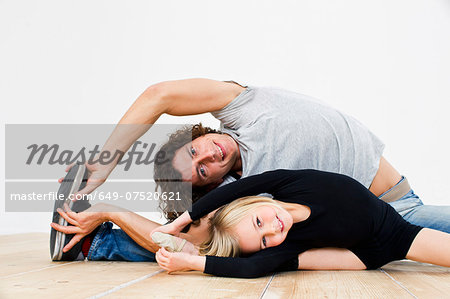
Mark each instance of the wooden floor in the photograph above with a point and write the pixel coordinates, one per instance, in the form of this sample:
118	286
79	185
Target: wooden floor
27	272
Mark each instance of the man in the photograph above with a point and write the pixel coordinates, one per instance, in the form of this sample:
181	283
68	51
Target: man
263	129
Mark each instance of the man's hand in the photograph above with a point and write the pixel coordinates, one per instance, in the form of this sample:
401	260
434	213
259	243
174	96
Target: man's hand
83	223
179	261
97	175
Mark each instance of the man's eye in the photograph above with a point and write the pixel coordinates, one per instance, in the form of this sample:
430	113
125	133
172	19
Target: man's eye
202	171
192	151
258	223
264	241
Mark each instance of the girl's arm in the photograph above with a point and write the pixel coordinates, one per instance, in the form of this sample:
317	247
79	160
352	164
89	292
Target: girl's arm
267	182
329	259
259	264
430	246
313	259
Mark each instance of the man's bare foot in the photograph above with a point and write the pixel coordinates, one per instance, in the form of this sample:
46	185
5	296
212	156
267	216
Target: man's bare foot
173	243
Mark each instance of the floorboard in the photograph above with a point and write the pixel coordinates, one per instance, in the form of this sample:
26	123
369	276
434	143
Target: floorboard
334	284
194	285
423	280
23	253
27	272
75	280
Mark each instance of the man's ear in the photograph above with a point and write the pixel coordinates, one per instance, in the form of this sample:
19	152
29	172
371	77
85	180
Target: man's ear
214	185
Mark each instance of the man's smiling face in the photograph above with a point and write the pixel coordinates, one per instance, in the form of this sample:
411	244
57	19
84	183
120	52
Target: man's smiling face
207	159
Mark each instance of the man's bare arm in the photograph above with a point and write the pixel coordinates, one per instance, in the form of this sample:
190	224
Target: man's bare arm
180	98
134	225
183	97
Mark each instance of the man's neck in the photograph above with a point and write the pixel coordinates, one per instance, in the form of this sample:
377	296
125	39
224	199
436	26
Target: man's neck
237	167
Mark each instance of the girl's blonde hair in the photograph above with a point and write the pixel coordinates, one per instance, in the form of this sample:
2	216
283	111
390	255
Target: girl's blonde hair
221	241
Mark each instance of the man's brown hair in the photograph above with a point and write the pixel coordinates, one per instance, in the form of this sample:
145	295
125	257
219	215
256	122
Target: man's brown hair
168	179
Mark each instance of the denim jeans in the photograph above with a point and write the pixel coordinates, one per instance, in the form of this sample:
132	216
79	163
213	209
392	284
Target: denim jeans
411	208
115	245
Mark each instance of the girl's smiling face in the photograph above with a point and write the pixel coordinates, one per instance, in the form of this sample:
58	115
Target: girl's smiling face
263	227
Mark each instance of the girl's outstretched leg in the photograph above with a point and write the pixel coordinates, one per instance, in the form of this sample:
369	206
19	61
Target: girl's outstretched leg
431	246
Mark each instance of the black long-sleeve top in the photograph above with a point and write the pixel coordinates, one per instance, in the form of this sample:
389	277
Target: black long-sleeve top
344	214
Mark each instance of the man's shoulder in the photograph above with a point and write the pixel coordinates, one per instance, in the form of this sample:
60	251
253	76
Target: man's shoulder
227	179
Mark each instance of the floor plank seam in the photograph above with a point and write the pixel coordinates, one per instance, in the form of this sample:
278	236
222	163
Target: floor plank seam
399	283
37	270
267	286
126	284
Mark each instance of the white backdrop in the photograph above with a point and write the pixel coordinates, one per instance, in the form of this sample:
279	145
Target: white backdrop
385	62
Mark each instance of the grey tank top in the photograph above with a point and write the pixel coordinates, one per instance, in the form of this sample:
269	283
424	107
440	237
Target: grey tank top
279	129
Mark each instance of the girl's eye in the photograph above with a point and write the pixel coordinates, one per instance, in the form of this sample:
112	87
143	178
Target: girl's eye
192	151
258	223
264	242
202	171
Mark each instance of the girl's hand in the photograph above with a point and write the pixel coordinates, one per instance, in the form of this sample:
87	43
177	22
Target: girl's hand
174	261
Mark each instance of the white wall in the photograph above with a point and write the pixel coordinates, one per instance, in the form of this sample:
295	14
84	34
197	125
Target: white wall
385	62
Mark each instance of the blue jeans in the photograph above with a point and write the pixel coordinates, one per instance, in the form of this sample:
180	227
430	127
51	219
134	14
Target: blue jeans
115	245
411	208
